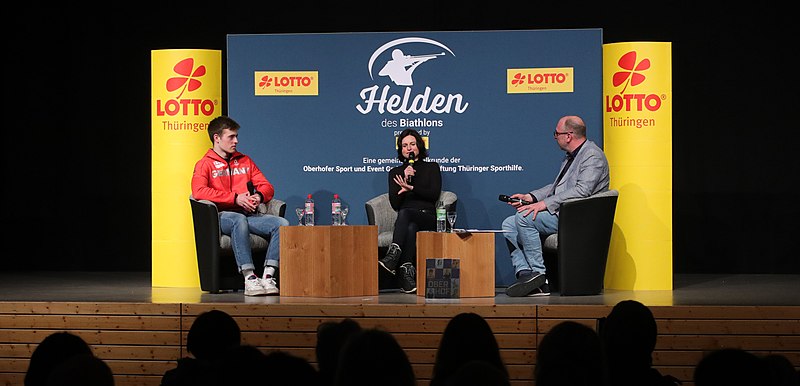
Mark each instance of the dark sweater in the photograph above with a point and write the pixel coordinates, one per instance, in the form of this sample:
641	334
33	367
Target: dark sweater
427	184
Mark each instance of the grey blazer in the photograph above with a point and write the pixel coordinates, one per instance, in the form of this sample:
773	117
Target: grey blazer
587	175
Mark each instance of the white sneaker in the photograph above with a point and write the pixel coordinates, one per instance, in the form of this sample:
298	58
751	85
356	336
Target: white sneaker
254	287
270	286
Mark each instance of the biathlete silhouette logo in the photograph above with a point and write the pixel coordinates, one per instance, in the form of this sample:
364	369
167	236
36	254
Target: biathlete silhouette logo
401	66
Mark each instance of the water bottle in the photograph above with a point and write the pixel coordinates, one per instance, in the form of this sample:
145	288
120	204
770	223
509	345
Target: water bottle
336	210
309	216
441	217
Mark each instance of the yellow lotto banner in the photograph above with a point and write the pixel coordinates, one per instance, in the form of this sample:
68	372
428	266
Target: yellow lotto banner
637	139
186	95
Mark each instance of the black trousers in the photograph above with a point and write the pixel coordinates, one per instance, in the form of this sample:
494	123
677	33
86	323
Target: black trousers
408	223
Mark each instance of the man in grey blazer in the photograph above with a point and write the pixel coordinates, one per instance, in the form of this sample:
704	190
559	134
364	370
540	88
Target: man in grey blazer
584	172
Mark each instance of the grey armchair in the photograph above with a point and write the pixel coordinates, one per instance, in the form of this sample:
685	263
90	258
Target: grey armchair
215	261
381	213
576	256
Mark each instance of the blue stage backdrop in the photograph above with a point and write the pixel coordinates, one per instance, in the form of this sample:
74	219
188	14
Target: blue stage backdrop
319	112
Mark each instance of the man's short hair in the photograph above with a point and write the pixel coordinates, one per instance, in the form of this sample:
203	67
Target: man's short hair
576	127
220	123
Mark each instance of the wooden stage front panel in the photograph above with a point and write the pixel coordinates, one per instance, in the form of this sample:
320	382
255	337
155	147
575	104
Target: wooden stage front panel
141	341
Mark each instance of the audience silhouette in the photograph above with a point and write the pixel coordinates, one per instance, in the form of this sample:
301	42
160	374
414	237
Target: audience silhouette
373	357
53	350
570	354
467	337
240	365
731	367
781	370
81	370
212	334
478	373
629	334
331	337
285	369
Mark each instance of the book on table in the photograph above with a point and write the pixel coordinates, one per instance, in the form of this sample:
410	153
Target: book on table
442	278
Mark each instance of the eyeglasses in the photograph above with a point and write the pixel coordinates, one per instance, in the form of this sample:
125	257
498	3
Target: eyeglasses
556	133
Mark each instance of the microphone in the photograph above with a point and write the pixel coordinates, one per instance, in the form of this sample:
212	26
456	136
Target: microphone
506	198
251	188
410	162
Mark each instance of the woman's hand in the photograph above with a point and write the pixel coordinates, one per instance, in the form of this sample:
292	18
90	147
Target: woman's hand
403	183
409	172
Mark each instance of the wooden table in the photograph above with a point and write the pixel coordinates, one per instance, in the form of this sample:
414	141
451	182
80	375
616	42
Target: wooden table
476	251
329	261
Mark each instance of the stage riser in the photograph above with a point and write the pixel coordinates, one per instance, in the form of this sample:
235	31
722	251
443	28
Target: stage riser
140	341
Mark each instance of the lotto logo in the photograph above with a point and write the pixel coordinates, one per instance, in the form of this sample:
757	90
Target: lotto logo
286	83
186	79
631	73
539	80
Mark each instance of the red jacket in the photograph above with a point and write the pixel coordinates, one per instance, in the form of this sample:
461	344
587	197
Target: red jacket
219	181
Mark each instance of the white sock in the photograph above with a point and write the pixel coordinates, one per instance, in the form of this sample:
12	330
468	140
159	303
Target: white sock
269	271
247	273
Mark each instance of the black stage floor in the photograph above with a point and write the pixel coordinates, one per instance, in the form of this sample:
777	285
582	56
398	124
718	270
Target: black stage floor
135	287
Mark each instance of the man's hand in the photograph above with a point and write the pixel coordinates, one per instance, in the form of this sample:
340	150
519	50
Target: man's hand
248	202
534	208
255	198
517	197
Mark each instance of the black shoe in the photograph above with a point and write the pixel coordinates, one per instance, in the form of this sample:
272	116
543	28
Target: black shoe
408	278
544	290
389	262
526	284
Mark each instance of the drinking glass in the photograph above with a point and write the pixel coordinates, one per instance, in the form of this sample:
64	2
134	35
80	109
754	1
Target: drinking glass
451	218
300	212
345	209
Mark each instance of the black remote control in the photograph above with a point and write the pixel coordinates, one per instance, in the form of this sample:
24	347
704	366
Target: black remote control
505	198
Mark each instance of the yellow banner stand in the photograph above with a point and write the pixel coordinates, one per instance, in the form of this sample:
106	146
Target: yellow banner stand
637	126
186	95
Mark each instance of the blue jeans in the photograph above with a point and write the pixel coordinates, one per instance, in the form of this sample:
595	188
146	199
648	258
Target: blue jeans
525	237
239	226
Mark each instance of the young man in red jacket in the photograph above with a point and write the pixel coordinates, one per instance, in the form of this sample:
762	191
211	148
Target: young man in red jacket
232	180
